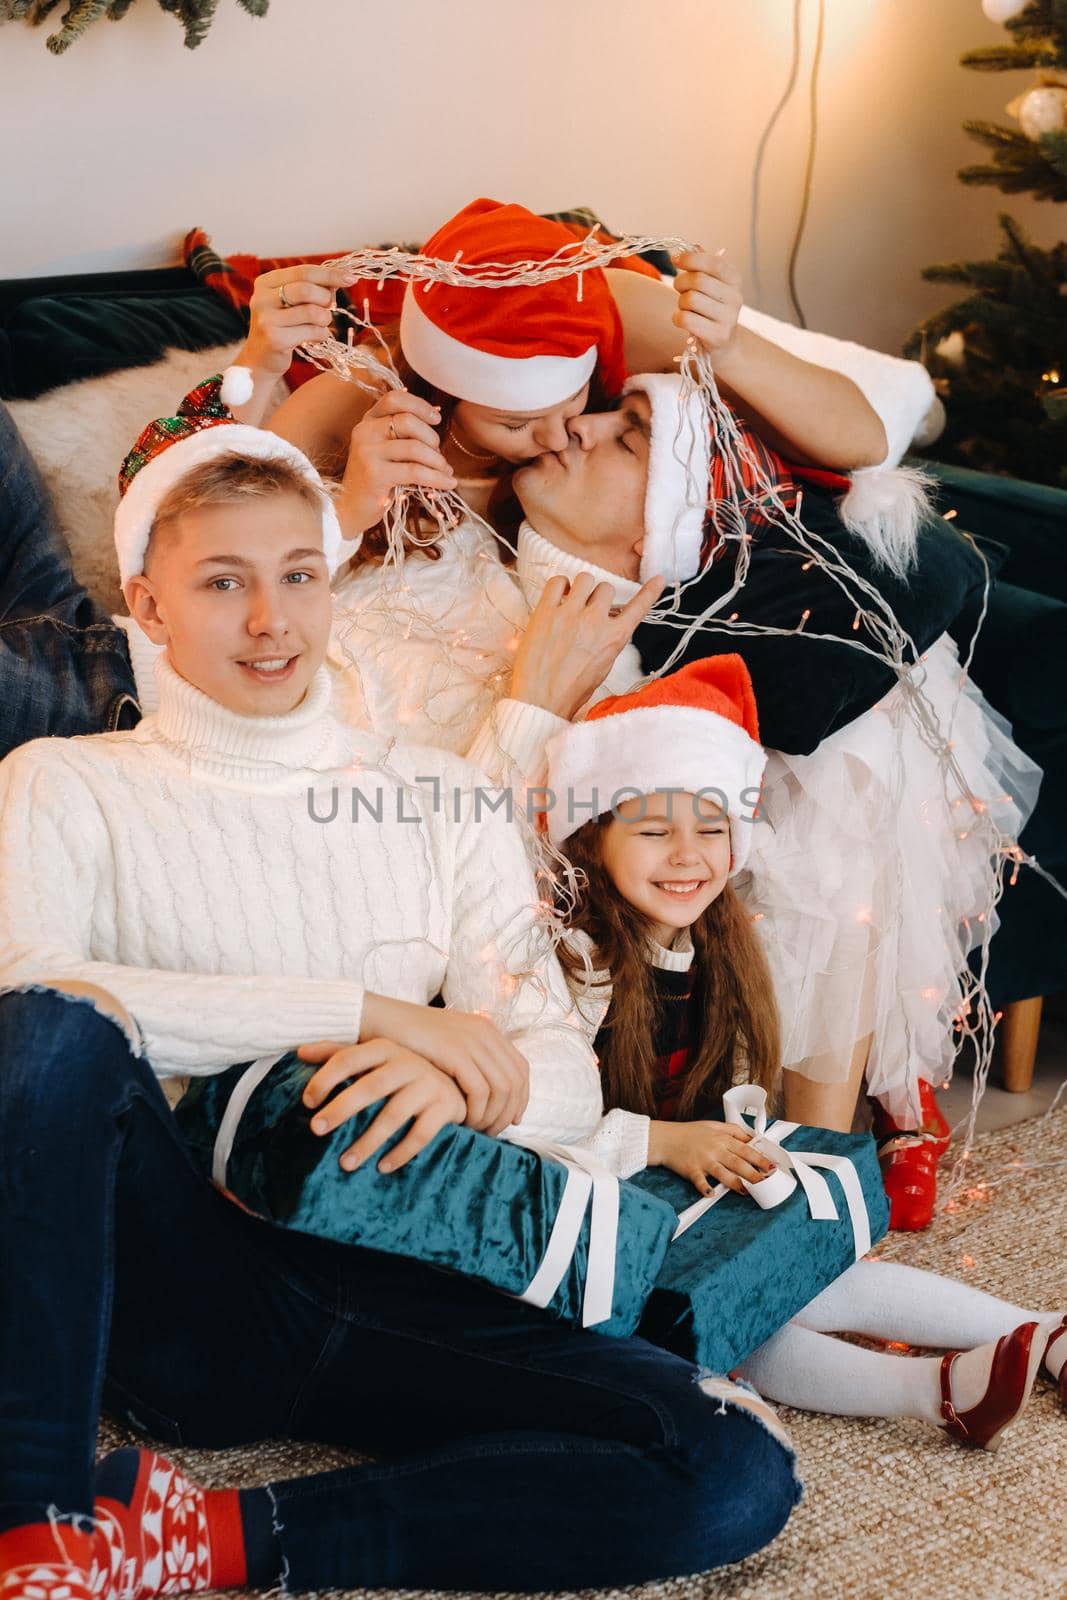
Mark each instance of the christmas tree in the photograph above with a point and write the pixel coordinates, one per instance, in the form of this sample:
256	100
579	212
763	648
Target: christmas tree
999	356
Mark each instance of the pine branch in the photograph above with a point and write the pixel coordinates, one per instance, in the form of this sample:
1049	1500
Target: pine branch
997	137
988	275
1019	164
1045	20
1012	57
1043	183
1054	149
196	18
79	15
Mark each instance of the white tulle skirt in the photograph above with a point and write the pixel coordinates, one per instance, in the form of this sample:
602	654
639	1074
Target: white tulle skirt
871	879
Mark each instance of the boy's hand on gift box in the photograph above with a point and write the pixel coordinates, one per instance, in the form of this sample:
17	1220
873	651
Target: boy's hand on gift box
414	1090
491	1074
702	1150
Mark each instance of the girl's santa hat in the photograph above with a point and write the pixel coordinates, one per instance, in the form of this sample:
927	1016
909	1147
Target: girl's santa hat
694	731
516	349
171	447
883	506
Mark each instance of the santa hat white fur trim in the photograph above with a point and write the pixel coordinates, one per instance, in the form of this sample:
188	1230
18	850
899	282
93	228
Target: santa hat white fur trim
884	506
524	383
137	509
649	748
679	477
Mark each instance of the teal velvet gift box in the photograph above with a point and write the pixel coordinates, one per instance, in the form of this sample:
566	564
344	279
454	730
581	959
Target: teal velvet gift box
739	1273
490	1210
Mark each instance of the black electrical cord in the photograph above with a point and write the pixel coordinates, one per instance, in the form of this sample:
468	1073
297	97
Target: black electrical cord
757	174
810	164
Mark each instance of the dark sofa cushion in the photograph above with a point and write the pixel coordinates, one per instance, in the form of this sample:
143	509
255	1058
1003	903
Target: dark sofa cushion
53	339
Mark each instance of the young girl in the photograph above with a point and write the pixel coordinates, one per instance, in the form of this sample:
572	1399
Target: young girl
680	1006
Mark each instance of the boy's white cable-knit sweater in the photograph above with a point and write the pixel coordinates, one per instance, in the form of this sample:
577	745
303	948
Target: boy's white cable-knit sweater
179	867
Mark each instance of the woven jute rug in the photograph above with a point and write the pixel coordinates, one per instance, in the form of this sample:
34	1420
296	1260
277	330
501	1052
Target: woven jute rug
892	1510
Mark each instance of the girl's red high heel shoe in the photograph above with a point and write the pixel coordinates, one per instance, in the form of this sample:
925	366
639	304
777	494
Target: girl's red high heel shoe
910	1158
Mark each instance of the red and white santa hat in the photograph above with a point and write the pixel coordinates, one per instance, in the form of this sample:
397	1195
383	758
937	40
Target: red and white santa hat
694	731
516	349
171	447
679	477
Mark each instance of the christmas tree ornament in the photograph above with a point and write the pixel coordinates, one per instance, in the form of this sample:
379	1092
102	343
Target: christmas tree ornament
952	349
1042	109
1003	10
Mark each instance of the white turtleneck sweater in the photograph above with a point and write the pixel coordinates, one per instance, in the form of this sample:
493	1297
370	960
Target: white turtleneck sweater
513	736
178	867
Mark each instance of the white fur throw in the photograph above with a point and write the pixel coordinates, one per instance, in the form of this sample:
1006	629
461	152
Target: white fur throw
78	436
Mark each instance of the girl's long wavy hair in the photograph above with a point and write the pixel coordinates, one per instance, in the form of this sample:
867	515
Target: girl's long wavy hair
504	512
736	1035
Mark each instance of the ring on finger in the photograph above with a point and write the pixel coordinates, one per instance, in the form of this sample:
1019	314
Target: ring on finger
282	297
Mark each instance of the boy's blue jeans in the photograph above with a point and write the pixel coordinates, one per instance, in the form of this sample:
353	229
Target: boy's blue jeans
64	665
512	1452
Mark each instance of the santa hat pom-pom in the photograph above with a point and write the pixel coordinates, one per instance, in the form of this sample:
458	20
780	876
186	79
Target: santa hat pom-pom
237	386
885	507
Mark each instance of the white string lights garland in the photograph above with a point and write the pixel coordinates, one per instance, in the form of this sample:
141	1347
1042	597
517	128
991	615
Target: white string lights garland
420	518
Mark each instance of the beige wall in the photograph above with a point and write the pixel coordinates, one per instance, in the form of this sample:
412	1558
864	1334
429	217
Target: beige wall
337	121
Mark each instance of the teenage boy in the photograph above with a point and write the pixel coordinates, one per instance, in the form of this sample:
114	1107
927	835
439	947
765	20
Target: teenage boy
172	902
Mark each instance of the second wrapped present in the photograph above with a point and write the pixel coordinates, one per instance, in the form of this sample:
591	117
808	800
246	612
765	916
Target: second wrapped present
738	1271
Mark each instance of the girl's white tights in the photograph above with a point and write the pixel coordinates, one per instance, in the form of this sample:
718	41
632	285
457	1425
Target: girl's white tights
802	1367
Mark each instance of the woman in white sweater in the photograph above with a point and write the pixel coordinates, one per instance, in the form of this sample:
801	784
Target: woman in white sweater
202	881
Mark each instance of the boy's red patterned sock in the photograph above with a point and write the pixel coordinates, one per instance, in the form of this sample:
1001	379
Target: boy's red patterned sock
52	1561
165	1534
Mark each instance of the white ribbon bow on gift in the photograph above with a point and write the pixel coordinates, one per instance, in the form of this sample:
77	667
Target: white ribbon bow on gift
793	1167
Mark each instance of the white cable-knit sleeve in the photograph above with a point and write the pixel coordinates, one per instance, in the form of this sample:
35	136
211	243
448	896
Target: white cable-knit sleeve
511	742
56	855
500	963
620	1138
620	1141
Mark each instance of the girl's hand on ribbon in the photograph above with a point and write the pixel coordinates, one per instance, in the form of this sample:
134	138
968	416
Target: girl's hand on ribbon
709	299
572	639
395	445
289	307
702	1150
413	1089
